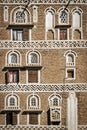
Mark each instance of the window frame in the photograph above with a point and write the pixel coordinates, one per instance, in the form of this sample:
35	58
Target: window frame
28	58
60	11
25	13
16	33
11	74
53	21
74	73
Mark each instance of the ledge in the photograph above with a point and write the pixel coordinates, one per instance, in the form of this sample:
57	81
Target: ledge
14	26
32	111
3	111
63	26
21	67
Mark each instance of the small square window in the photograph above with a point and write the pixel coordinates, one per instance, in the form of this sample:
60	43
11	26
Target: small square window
70	73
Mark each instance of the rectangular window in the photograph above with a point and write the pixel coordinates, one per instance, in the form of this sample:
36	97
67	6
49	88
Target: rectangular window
13	76
33	76
11	118
33	118
70	73
63	34
18	35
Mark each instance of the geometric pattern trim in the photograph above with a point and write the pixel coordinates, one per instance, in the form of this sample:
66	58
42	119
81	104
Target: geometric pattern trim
43	44
43	87
41	1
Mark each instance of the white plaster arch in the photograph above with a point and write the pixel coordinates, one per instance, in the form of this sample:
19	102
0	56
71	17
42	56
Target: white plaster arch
21	8
33	51
14	52
15	96
37	97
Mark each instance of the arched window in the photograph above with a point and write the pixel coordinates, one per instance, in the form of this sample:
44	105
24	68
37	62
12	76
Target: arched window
20	17
54	100
13	58
63	17
77	19
12	101
70	58
33	58
55	103
33	102
49	19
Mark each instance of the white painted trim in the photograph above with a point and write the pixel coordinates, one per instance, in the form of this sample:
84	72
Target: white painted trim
5	13
72	111
74	70
35	14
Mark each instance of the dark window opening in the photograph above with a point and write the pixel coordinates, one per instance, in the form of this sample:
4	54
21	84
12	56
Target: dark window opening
11	118
70	73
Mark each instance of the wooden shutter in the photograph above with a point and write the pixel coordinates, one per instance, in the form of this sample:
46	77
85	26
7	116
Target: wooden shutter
33	118
33	76
63	34
14	118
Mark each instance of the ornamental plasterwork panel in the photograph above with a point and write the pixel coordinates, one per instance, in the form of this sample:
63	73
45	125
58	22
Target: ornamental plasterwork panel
42	1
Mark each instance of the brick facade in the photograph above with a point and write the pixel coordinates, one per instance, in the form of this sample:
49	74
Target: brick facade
52	69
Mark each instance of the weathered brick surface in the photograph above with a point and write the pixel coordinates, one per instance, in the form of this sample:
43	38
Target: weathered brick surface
53	65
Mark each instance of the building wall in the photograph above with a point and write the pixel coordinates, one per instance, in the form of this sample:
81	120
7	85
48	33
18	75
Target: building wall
53	64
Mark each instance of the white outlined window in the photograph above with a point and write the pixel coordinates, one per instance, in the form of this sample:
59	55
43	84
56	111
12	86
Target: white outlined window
33	105
49	20
55	102
70	58
77	23
77	19
20	16
63	16
12	107
33	102
13	58
70	74
5	13
33	58
12	102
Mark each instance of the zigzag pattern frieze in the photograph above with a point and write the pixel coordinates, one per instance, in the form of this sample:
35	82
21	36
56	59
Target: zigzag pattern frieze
42	1
43	44
44	87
